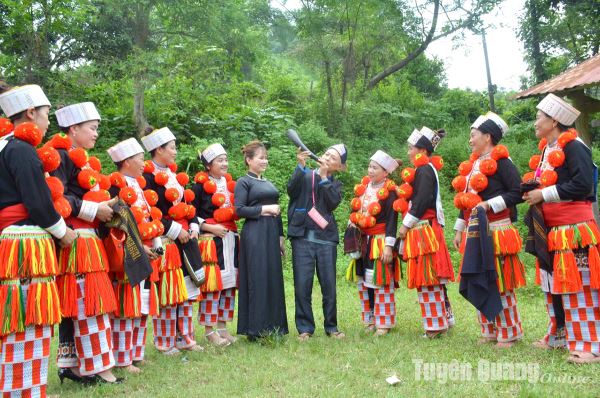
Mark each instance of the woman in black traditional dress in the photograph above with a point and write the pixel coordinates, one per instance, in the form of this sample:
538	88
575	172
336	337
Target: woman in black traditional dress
261	309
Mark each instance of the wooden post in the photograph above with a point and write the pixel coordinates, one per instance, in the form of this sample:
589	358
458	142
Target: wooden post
586	105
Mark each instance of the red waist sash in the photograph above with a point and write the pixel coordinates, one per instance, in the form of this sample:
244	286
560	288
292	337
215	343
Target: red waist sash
490	215
12	214
76	223
566	213
378	229
230	225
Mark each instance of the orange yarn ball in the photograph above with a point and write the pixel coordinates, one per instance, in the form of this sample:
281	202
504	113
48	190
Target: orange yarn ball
459	183
173	167
464	168
382	193
161	178
97	196
566	137
209	187
367	222
355	204
138	213
529	176
172	194
390	185
534	161
149	167
408	175
50	158
128	195
160	228
223	214
141	181
365	180
548	178
57	188
359	189
488	167
87	179
155	213
437	162
499	152
79	157
542	144
231	186
103	181
556	158
400	205
94	163
62	207
179	211
218	199
191	212
60	141
117	179
189	196
421	160
405	191
355	218
29	132
473	157
478	182
374	208
228	177
6	126
182	179
151	197
201	177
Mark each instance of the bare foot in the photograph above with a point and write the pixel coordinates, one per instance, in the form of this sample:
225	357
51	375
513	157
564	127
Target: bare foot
132	369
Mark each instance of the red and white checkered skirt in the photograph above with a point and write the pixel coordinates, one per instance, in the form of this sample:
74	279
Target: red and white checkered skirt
433	307
365	305
186	337
122	335
24	362
582	317
139	338
506	326
165	328
384	311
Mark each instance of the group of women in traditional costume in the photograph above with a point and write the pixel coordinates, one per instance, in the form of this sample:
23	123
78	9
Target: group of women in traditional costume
59	266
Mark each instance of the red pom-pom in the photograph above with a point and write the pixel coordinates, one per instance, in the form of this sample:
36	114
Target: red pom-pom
367	222
437	162
563	138
499	152
60	141
542	144
57	188
103	181
161	178
223	214
389	185
94	163
355	204
173	167
151	197
182	179
556	158
117	179
359	189
137	212
87	178
534	161
50	158
172	194
191	212
231	186
488	167
548	178
464	168
189	196
147	230
149	167
405	191
209	187
178	211
201	177
6	126
218	199
408	175
155	213
459	183
458	200
400	205
478	182
374	208
128	195
62	207
160	228
382	193
228	177
471	200
141	181
365	180
97	196
421	160
29	132
473	157
355	218
529	176
79	156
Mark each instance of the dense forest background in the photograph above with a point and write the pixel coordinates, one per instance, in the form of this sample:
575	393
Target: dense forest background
230	71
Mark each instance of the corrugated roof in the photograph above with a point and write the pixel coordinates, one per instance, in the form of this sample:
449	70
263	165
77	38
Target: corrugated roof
584	75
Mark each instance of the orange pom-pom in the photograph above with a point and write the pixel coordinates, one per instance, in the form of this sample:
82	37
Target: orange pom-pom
458	200
464	168
355	204
94	163
172	194
374	208
478	182
367	222
128	195
488	167
6	126
189	196
390	185
231	186
556	158
173	167
151	197
459	183
141	181
421	160
471	200
382	193
29	132
161	178
365	180
117	179
97	196
529	176
79	157
405	191
408	175
155	213
160	228
147	230
548	178
149	166
566	137
437	162
50	158
218	199
201	177
87	178
62	207
179	211
60	141
359	189
57	189
534	161
137	212
542	144
223	214
473	157
182	179
400	205
499	152
191	212
355	218
209	187
103	181
228	177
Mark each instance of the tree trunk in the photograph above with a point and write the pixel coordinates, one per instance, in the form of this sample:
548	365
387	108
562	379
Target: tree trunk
536	53
140	36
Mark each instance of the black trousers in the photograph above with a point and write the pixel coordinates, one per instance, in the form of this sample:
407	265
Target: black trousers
306	257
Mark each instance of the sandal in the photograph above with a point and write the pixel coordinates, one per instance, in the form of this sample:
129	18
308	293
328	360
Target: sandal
224	334
304	336
485	340
171	351
369	328
336	335
433	334
216	340
581	358
381	332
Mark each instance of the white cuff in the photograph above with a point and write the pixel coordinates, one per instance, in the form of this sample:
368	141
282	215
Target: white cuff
58	230
497	204
460	225
194	227
88	211
156	242
200	221
390	241
173	232
550	194
409	220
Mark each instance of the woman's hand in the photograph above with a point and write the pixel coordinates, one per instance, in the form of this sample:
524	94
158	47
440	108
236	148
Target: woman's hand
282	246
150	253
402	232
387	256
301	157
485	205
533	197
183	237
215	229
105	211
457	240
270	210
193	235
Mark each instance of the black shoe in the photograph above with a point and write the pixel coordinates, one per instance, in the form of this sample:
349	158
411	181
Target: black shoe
67	373
99	379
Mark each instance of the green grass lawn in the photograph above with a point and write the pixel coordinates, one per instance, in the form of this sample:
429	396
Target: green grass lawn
357	365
